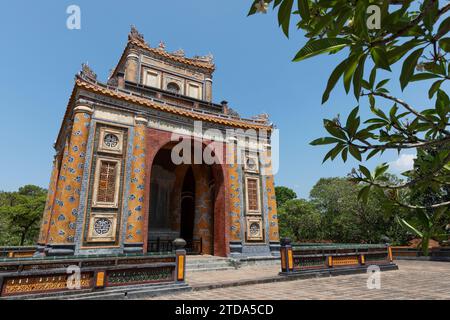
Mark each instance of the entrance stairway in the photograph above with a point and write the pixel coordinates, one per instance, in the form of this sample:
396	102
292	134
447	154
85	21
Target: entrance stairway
207	263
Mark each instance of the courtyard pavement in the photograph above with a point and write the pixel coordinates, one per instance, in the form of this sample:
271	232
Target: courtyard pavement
413	280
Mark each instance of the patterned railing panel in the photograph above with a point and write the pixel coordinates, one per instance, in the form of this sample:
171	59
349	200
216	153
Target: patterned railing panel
49	275
310	257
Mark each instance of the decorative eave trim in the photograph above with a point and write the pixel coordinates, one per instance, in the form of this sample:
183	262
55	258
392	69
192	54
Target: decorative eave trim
166	108
95	88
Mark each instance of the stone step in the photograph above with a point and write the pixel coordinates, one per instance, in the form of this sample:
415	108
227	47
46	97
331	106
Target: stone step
204	265
210	269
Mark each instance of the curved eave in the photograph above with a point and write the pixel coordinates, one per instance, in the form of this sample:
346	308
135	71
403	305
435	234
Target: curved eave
94	88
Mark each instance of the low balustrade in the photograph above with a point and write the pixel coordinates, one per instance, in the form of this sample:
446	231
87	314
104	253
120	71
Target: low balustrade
48	275
434	254
17	252
306	258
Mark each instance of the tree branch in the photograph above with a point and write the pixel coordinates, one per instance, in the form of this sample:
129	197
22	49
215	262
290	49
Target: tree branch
412	24
407	107
412	145
413	181
433	206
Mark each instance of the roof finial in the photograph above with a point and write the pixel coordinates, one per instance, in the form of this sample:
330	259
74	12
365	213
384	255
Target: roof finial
162	45
135	35
179	53
87	72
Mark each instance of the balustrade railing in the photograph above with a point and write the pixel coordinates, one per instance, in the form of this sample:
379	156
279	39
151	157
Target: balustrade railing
298	258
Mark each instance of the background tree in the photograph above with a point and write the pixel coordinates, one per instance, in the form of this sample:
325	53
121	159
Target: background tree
345	219
300	221
413	33
20	214
284	194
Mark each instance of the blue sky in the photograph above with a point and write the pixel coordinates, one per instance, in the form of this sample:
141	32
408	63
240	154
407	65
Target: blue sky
40	57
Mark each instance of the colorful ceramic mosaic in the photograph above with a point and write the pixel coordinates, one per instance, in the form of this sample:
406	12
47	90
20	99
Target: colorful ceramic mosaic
49	203
135	224
235	190
65	209
271	198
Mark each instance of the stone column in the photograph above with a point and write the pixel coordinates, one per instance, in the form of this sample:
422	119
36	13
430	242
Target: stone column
134	241
272	216
132	68
208	89
234	190
45	226
67	200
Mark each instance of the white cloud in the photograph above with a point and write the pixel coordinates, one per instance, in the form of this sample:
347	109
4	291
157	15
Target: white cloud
404	163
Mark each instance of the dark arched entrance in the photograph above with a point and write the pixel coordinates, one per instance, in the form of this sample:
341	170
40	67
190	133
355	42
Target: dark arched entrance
185	201
188	207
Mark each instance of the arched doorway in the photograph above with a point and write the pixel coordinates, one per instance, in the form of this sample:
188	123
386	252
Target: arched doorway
185	201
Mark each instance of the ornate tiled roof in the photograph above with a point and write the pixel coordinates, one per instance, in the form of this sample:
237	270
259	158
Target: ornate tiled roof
177	58
226	120
137	39
187	112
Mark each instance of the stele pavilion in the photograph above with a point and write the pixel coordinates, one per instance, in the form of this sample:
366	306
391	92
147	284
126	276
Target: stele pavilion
115	188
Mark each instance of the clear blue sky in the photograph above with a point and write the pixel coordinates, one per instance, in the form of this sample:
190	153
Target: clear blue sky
40	57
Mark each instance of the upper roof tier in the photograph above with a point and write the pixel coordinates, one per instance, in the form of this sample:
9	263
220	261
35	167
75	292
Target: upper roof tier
156	68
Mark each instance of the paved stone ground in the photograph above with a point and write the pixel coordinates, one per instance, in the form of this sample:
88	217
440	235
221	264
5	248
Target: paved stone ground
414	280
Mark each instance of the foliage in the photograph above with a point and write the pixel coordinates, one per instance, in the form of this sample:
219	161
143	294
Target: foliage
300	220
20	214
334	213
411	33
284	194
348	220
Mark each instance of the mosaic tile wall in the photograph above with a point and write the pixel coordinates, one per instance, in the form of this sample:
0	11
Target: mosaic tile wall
135	225
49	203
63	222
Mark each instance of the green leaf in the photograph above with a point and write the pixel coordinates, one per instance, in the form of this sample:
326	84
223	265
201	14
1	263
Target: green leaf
382	83
350	71
334	130
398	52
334	152
434	87
423	76
323	141
408	226
284	15
380	58
445	44
365	172
380	170
408	67
252	8
352	122
363	194
319	46
355	153
303	8
335	75
358	76
372	153
430	13
444	28
373	76
344	154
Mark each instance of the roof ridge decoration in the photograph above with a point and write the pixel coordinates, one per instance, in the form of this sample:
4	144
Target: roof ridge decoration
135	35
87	72
205	62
